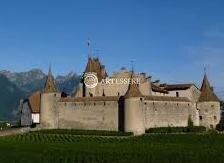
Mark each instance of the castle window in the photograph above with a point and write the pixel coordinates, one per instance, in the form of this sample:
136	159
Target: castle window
55	95
215	118
145	103
177	104
177	94
200	117
94	103
212	106
211	126
104	103
188	104
118	93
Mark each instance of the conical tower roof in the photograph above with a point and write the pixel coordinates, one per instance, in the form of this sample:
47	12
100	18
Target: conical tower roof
207	93
89	66
133	89
94	65
50	86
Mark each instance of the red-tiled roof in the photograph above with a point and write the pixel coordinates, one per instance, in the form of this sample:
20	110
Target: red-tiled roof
34	101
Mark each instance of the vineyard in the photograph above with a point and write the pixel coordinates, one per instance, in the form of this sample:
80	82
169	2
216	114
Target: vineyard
67	147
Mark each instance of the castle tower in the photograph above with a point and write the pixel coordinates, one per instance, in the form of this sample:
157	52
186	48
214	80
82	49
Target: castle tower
133	109
208	105
95	68
49	98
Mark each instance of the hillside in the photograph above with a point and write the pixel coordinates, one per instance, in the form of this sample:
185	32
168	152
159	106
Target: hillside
18	85
10	96
67	83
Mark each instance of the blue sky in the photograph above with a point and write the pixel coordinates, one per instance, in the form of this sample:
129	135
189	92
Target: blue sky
169	39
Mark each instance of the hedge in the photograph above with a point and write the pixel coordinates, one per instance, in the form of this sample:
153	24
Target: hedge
84	132
191	129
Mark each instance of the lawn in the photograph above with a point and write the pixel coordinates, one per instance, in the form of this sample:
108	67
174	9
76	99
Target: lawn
69	147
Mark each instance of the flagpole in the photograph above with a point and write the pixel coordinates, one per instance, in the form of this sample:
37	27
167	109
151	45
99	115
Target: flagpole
89	48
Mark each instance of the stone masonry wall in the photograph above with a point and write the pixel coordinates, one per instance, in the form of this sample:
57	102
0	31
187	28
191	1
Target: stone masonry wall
193	93
94	115
166	113
209	114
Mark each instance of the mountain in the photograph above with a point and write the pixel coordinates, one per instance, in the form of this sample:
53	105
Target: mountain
68	82
19	85
10	96
34	79
28	81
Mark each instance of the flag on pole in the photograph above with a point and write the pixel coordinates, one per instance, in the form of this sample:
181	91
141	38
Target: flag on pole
88	42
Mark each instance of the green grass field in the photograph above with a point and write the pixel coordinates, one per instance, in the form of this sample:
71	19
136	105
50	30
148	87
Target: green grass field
69	147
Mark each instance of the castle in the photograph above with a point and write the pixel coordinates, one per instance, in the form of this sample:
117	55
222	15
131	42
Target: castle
124	105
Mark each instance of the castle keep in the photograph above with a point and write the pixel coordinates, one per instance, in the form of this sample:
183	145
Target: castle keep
129	107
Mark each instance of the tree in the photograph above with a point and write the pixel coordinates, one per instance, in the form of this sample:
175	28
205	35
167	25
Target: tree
190	122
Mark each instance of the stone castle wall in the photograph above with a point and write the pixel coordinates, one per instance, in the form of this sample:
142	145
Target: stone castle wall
104	115
209	114
168	113
113	86
193	93
112	89
98	115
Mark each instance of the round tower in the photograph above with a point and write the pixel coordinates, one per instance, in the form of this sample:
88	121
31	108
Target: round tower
208	105
133	110
48	110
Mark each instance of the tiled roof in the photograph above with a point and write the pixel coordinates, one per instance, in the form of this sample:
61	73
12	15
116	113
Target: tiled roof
94	65
172	87
167	98
158	89
133	89
34	101
207	93
86	99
